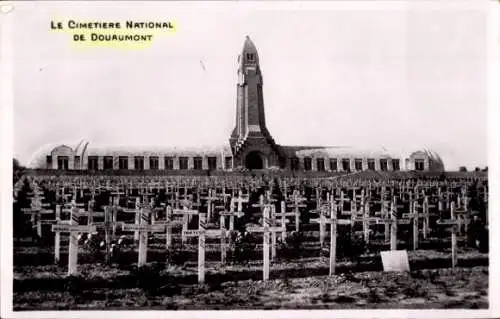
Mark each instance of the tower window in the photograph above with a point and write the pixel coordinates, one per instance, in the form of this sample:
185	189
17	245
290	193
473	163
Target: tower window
371	164
183	163
333	164
307	163
62	162
139	162
93	165
153	162
169	162
419	165
250	57
123	162
320	164
198	162
346	165
395	165
383	165
212	163
108	162
358	164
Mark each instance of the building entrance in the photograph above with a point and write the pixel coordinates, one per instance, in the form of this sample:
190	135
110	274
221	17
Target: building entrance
254	161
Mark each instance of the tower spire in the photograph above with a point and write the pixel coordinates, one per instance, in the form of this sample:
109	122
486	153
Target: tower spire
250	131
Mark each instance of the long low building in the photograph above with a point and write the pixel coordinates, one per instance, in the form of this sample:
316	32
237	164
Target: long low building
250	147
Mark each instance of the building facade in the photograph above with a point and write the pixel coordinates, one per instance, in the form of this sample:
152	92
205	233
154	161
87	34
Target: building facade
251	146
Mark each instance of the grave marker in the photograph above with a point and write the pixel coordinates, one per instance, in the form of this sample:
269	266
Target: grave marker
333	221
185	212
36	211
266	230
454	224
395	260
210	202
73	228
143	228
200	233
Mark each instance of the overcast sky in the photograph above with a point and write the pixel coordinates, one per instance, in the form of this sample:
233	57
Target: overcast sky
403	76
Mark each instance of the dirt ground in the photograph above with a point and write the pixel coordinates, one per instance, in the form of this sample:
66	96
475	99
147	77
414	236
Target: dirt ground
439	288
298	284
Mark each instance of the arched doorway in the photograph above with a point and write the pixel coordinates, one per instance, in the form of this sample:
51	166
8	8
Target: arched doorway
254	161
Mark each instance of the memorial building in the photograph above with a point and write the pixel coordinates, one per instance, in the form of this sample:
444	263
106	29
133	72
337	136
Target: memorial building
251	146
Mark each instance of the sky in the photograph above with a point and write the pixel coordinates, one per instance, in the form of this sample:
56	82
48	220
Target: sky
398	75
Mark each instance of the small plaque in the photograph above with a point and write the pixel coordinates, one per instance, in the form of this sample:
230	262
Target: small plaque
446	222
343	222
395	260
287	214
264	229
237	214
215	232
97	214
408	215
191	233
73	228
151	228
185	212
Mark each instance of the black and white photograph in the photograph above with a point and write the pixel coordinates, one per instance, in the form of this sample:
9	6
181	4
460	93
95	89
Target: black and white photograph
234	155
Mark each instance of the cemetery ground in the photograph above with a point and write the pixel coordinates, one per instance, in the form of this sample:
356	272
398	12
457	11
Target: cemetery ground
300	283
167	246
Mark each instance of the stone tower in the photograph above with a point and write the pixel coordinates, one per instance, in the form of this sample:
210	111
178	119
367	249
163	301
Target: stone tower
251	144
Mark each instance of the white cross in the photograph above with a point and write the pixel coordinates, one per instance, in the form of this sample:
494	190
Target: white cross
143	228
200	233
186	213
454	224
36	212
73	229
266	229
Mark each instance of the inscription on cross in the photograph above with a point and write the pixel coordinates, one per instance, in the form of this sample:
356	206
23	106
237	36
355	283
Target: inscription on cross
73	228
143	228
